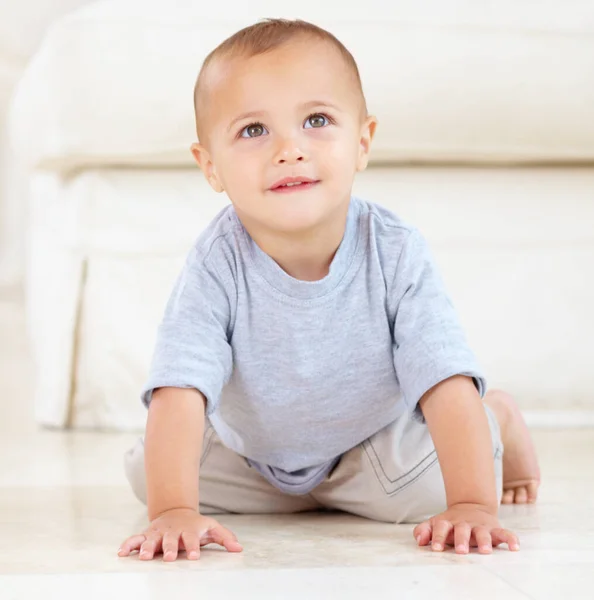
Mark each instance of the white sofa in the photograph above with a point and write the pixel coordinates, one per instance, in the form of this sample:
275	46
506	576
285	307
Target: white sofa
22	25
486	142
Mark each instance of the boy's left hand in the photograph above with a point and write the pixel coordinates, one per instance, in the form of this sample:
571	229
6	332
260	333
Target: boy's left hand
465	525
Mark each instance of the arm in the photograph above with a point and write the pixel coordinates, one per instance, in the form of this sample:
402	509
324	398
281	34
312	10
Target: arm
458	425
192	352
173	447
429	346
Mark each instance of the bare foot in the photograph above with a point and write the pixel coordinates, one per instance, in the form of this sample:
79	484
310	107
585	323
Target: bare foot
521	474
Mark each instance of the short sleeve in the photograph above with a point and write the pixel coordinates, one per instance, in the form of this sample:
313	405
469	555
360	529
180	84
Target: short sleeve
192	348
429	344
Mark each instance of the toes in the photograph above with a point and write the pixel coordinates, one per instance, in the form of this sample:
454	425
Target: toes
532	491
521	495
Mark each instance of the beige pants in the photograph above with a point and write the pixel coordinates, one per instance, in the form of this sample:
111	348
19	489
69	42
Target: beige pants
393	476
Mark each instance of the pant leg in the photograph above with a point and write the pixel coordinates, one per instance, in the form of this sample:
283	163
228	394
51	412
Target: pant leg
227	483
395	476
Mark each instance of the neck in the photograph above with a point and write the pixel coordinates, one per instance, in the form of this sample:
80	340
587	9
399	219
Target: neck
304	255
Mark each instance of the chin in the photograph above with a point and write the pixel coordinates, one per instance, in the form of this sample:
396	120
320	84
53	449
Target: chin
298	220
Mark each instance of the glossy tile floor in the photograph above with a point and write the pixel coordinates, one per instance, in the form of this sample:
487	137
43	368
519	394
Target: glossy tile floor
65	507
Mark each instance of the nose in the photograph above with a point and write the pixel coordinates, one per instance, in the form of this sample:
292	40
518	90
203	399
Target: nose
289	152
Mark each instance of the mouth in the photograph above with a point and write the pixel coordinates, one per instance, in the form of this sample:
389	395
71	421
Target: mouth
290	185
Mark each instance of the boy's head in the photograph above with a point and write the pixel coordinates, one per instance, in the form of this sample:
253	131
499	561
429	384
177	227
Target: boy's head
282	99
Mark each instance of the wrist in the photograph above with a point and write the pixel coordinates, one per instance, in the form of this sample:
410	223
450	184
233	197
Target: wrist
488	508
159	512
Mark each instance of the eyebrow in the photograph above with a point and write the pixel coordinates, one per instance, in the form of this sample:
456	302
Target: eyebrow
260	113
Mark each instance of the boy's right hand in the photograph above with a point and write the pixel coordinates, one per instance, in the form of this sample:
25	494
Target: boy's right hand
179	528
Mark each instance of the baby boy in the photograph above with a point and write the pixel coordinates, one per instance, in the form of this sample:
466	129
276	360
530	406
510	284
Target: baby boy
309	356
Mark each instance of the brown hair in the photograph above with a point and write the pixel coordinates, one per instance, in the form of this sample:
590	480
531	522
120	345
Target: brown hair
265	36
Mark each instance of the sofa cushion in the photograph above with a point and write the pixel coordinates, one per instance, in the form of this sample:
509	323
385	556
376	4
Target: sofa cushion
21	29
449	81
22	25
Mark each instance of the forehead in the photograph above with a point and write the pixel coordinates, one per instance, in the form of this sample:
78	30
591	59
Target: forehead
291	75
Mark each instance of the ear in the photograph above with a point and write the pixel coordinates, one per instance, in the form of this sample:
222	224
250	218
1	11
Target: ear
202	157
367	133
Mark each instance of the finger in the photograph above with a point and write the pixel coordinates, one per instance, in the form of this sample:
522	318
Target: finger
462	532
422	533
132	543
504	536
441	530
521	495
508	497
482	537
191	544
170	546
150	546
223	537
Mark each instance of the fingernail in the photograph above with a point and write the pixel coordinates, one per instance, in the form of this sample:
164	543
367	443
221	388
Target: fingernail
193	555
461	548
515	547
418	539
437	546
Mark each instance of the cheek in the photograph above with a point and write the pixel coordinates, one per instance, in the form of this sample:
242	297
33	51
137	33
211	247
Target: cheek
240	172
340	140
339	154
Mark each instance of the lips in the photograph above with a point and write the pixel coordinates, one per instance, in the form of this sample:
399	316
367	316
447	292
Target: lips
293	184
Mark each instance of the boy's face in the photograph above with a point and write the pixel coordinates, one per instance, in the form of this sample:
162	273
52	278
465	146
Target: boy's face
305	120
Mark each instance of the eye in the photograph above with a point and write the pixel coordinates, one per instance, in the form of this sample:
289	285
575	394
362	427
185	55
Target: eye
253	130
316	121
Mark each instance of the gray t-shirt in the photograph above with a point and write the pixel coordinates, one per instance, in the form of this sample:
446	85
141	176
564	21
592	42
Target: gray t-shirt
296	373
